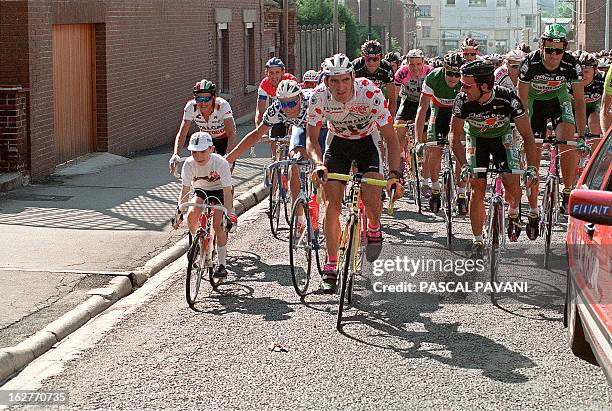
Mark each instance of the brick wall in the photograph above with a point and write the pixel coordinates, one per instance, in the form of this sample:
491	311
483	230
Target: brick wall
380	16
591	27
13	129
148	56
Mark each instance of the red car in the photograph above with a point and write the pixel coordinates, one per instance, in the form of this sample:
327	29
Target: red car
588	306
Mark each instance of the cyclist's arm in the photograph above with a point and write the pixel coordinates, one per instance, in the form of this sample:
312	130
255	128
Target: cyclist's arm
523	93
457	136
605	118
181	135
420	116
392	97
183	195
230	132
247	142
228	199
580	106
523	125
388	133
312	143
260	110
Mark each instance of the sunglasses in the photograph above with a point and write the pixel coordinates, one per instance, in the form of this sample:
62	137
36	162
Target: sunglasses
513	66
368	58
288	104
554	50
467	85
453	73
204	99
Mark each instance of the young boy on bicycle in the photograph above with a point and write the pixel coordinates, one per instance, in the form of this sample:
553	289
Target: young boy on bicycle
208	175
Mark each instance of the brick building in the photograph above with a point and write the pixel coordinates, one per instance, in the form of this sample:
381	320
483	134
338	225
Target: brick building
398	14
591	17
114	75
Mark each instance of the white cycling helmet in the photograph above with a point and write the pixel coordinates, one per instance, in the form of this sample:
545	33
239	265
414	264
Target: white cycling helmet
414	53
310	75
337	64
288	89
515	55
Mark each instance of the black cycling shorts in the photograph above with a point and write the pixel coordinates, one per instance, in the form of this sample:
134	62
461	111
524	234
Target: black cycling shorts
555	109
499	150
210	196
220	145
341	153
278	131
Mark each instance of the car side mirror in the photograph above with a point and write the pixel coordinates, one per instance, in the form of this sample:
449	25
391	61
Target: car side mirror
593	206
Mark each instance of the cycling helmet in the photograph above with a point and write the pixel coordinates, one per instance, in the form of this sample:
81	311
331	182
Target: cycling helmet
469	43
337	64
415	53
393	57
371	48
603	64
588	60
494	58
555	32
204	86
288	89
310	75
477	68
454	60
437	62
515	55
275	62
577	53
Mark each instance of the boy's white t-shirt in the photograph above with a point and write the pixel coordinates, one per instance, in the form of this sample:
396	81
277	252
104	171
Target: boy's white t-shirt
214	175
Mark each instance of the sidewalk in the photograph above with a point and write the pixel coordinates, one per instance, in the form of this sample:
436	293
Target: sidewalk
78	231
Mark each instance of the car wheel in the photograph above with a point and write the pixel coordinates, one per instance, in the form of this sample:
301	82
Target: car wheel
575	332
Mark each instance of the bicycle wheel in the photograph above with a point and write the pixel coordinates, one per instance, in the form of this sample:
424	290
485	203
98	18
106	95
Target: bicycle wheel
300	248
417	179
211	257
549	194
448	209
496	231
195	268
346	272
275	199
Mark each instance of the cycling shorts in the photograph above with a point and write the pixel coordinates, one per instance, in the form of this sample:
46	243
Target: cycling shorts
211	197
278	131
501	149
558	110
439	123
220	145
341	152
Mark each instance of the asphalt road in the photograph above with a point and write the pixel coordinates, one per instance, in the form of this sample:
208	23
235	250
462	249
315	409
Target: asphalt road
406	350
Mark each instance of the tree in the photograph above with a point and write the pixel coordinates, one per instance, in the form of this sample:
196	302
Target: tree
311	12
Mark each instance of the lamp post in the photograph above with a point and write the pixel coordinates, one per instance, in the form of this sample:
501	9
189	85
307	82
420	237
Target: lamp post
369	19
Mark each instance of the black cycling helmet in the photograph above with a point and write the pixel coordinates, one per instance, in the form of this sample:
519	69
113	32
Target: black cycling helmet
482	71
453	60
588	60
524	47
371	48
393	57
205	86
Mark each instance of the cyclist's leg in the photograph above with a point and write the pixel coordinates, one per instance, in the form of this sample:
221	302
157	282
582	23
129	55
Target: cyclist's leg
369	163
539	118
477	154
297	148
565	127
594	125
277	131
220	145
504	156
194	213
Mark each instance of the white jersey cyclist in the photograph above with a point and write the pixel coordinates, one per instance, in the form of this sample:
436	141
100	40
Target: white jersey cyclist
502	78
214	175
358	118
275	115
215	125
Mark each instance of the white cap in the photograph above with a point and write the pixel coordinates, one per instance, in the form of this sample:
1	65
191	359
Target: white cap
200	141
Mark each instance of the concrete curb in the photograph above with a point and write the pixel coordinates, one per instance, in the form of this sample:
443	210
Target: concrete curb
14	359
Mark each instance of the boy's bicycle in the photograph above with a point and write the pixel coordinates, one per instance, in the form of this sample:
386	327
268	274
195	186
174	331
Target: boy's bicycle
279	192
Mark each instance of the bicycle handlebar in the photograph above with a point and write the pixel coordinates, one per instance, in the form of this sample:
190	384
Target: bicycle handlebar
357	178
219	207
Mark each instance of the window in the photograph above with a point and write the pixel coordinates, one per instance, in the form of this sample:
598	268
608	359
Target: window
450	2
478	3
501	3
599	166
424	11
223	63
529	20
250	54
426	31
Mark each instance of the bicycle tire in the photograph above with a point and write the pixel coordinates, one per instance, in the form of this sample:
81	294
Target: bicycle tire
300	273
274	202
212	249
195	267
549	223
495	233
345	274
448	209
417	179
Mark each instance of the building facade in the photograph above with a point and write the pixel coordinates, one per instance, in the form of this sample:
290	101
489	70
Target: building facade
428	26
591	16
112	75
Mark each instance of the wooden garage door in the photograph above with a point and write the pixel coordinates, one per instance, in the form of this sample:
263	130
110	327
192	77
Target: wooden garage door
73	90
